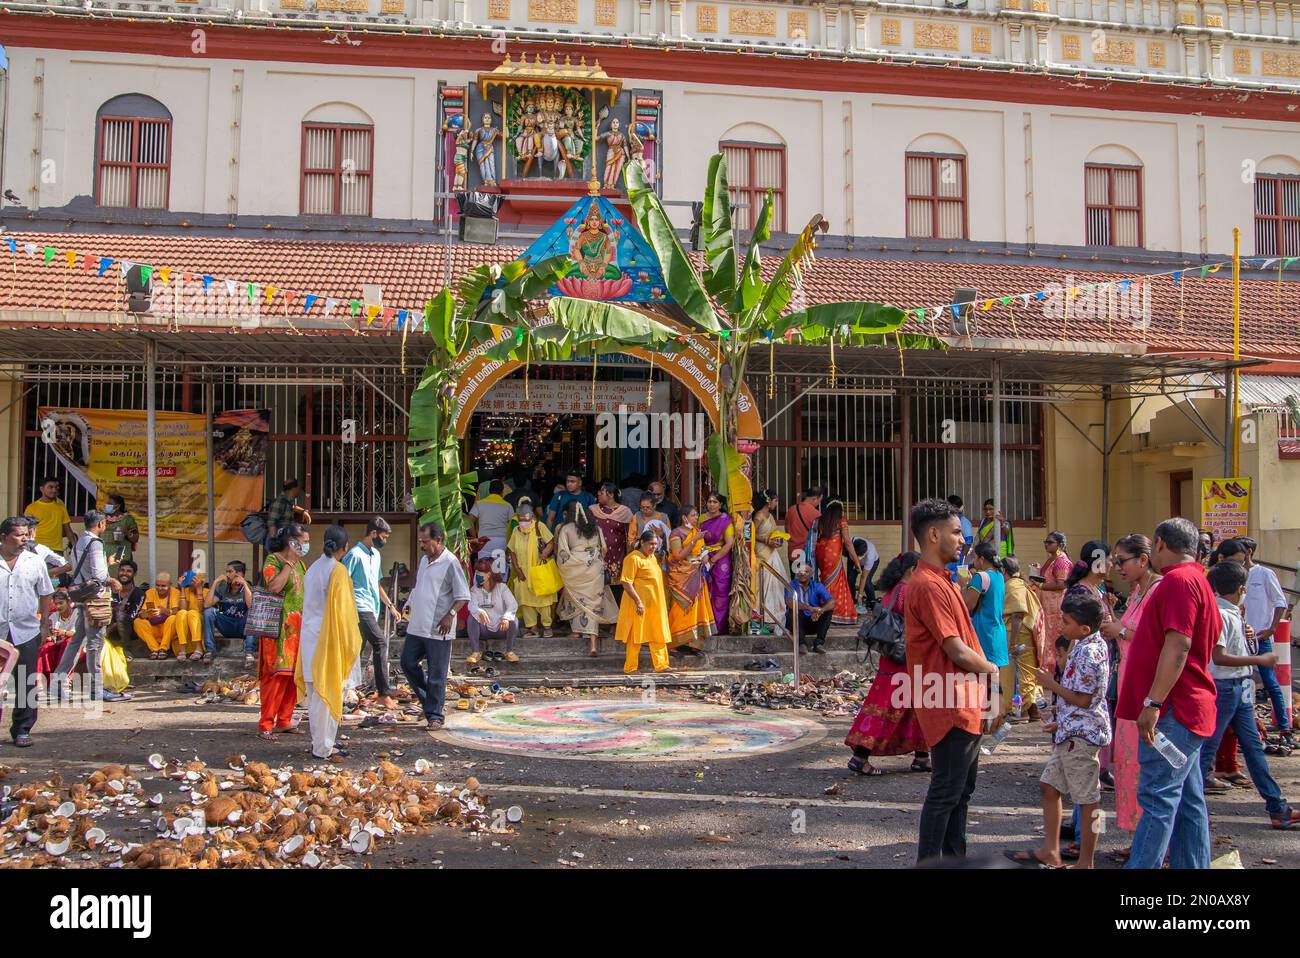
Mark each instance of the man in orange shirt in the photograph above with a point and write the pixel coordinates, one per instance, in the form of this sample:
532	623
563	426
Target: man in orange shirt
947	674
799	521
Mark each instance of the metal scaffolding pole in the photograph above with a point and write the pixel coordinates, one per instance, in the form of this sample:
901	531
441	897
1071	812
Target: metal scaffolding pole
1105	463
151	449
996	377
209	400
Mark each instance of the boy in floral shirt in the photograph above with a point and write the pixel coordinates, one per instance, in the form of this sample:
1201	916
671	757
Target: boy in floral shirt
1081	728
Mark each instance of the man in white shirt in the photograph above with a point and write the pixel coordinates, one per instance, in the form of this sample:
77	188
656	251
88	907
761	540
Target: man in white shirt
25	591
493	612
1265	606
440	593
94	568
364	567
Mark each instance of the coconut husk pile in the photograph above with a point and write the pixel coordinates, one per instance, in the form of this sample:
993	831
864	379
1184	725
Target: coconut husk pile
833	697
241	689
250	815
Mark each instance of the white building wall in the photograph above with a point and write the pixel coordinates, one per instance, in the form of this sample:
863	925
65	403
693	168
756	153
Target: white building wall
237	145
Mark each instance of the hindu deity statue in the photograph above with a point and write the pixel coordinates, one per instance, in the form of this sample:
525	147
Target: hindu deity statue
485	138
570	132
593	246
615	154
461	139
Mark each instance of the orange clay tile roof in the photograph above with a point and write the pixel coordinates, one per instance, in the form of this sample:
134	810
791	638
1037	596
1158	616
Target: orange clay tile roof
1194	315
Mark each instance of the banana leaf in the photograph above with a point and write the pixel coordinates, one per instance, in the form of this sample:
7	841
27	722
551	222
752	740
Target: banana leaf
780	288
860	317
679	274
749	286
723	461
719	241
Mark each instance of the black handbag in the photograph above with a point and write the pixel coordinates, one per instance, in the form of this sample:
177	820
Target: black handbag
883	633
91	588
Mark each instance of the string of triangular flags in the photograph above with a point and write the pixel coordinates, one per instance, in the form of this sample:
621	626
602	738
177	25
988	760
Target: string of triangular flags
388	316
933	313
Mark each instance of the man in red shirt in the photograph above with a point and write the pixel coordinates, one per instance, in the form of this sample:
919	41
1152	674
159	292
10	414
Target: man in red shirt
1168	691
946	679
800	520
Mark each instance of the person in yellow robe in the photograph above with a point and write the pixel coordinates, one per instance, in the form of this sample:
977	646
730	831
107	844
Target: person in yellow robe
530	544
690	611
155	626
329	643
643	614
189	620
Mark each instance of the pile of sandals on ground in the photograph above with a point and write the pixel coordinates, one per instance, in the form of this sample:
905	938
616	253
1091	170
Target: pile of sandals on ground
833	697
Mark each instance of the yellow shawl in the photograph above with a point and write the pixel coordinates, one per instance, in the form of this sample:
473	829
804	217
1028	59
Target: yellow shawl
339	644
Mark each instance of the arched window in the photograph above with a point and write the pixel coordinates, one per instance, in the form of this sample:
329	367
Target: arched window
1277	207
1112	185
755	164
338	159
935	175
133	153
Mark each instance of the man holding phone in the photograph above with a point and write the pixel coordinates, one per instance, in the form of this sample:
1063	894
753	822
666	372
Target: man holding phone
225	608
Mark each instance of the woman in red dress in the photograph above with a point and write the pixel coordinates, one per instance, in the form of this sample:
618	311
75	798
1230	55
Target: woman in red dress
612	518
832	546
880	728
1051	591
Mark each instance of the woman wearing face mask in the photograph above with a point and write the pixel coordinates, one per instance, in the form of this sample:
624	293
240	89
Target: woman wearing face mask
330	643
122	534
283	574
493	613
530	544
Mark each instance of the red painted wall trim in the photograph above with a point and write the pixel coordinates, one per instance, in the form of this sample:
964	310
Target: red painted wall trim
423	49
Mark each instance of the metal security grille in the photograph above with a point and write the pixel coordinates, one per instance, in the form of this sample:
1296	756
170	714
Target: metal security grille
850	440
308	407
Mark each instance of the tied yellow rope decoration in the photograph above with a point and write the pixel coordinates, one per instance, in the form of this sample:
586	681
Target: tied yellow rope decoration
1011	305
717	374
1180	307
898	341
405	327
528	358
290	321
593	376
832	359
649	384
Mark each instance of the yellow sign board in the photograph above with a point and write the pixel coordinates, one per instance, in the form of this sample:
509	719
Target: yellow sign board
1225	507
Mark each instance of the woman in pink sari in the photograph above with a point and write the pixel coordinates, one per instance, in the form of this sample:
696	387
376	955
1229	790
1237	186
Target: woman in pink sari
612	518
720	539
881	728
1132	559
1051	591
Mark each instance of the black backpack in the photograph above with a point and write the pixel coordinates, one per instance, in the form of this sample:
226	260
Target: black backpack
253	527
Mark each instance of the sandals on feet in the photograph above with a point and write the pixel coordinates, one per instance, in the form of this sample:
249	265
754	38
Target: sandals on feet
1028	858
862	767
921	765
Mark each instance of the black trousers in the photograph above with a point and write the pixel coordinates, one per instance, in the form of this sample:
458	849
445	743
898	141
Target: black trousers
955	761
373	634
24	718
807	625
431	687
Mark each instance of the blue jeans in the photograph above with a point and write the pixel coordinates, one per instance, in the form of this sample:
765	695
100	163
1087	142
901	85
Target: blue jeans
227	626
1274	689
1174	816
429	687
1237	708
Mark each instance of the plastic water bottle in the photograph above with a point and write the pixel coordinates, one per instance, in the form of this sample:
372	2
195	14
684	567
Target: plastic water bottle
1169	750
1044	710
997	738
1017	701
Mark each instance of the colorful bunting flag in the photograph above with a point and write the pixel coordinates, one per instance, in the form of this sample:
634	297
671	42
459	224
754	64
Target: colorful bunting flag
104	264
71	257
270	293
49	254
371	312
355	306
308	301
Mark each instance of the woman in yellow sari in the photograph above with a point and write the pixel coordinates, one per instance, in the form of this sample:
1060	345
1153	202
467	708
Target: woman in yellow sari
643	615
690	613
769	554
530	544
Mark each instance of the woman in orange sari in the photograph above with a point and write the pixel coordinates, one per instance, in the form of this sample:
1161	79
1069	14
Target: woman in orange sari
832	546
278	658
690	611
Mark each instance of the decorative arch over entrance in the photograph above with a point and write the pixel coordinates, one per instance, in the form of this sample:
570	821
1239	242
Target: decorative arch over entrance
695	367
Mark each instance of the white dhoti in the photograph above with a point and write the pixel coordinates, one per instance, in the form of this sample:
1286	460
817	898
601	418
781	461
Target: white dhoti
324	727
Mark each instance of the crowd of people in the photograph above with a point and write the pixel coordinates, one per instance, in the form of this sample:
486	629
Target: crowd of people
1147	694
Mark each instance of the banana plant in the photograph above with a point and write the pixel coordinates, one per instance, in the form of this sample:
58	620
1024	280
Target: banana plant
489	300
730	298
